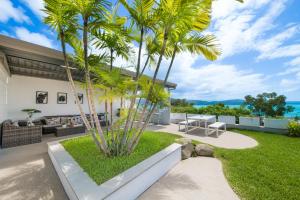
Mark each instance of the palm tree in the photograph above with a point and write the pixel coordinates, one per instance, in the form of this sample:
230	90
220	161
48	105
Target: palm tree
116	41
91	13
63	20
175	15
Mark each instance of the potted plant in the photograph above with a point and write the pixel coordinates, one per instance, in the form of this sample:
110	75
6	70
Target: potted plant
30	112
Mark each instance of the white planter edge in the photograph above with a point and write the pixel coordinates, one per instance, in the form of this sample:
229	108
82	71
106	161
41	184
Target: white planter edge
127	185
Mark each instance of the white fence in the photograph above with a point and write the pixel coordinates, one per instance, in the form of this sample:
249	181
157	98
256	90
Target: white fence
276	123
227	119
249	121
270	124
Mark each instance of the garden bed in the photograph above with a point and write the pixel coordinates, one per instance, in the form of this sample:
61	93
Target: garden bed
88	174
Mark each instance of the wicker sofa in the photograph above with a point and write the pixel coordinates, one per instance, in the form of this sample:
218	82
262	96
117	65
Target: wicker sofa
19	135
51	123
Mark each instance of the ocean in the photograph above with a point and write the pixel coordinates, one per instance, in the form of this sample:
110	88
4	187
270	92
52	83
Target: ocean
295	113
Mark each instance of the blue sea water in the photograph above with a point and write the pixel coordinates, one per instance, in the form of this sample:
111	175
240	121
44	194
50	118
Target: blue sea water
295	113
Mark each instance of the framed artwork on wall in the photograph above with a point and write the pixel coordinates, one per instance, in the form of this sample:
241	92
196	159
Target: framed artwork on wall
80	97
41	97
62	98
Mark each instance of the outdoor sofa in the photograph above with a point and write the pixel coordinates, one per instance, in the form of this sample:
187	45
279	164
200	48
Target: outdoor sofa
20	133
14	135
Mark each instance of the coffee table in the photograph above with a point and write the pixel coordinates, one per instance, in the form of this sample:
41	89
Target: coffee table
63	131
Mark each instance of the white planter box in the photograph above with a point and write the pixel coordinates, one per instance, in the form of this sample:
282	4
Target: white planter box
227	119
249	121
276	123
126	186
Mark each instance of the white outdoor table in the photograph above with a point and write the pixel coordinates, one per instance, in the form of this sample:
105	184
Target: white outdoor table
201	118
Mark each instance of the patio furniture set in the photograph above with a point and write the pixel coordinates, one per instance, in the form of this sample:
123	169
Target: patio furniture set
194	121
21	132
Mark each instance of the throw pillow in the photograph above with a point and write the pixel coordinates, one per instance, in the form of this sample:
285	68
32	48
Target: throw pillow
16	124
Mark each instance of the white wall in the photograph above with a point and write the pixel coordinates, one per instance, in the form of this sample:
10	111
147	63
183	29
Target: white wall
4	79
22	94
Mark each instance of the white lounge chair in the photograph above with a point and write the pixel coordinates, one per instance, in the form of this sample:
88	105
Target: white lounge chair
215	127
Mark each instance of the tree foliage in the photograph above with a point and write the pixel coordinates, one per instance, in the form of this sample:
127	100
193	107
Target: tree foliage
217	109
180	103
268	105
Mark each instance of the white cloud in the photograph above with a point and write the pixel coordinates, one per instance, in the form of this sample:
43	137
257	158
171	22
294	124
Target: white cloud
281	52
214	81
238	26
36	6
291	85
36	38
9	11
268	46
292	68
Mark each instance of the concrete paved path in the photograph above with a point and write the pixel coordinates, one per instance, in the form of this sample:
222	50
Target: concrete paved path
229	140
199	178
26	173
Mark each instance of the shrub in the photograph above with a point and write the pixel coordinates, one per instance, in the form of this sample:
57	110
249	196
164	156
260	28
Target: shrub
218	109
294	129
189	109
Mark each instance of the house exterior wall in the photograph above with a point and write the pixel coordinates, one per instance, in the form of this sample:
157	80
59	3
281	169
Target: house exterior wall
22	94
4	79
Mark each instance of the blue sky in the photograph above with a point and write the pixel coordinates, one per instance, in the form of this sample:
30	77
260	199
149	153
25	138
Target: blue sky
259	40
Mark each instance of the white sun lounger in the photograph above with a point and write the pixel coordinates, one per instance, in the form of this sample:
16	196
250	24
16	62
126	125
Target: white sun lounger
215	127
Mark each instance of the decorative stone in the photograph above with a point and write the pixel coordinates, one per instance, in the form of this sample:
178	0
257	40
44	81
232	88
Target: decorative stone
183	141
187	151
204	150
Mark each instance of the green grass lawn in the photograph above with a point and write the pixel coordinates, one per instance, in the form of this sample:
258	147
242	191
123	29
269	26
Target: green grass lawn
101	168
269	171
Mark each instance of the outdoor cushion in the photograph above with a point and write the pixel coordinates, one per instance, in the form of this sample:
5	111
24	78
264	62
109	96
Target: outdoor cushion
22	122
53	121
7	123
64	120
15	124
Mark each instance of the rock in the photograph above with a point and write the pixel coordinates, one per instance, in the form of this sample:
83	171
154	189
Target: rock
187	150
204	150
183	141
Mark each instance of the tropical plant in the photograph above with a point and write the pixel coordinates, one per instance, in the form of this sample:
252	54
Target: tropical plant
167	27
116	42
30	112
294	129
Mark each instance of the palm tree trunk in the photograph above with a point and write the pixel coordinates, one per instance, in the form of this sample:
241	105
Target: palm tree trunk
90	89
71	81
135	140
72	84
111	103
170	66
89	105
133	99
106	111
139	102
162	52
140	52
146	63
